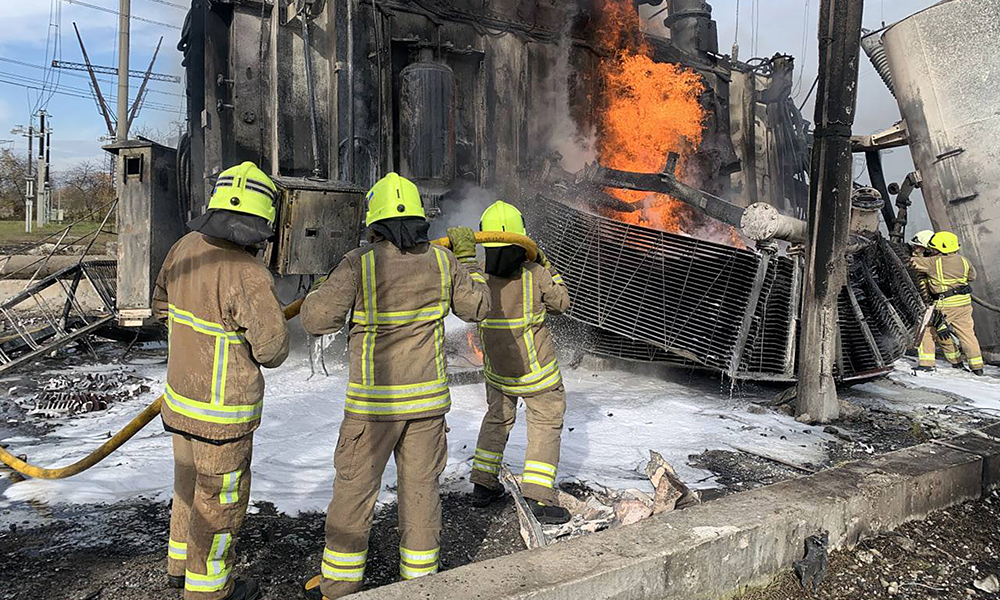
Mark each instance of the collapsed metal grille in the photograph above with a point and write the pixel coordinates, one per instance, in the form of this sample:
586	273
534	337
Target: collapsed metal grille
660	297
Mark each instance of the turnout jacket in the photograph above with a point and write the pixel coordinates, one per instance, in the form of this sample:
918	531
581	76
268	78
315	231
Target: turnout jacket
397	301
224	323
519	358
944	273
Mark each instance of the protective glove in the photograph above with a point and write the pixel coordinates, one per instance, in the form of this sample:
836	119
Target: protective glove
543	260
316	284
463	242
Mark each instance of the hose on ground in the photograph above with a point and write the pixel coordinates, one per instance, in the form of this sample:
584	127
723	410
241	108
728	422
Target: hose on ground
151	411
499	237
134	426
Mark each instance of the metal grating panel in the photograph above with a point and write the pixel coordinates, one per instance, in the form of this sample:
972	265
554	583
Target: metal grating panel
660	297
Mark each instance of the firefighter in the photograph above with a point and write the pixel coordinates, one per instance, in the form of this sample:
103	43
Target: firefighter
948	277
520	362
224	324
926	352
397	291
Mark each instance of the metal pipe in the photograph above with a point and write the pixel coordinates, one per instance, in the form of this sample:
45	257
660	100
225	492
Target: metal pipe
350	90
311	86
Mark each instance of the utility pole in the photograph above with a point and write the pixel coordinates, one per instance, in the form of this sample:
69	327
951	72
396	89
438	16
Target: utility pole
41	191
29	183
124	14
829	206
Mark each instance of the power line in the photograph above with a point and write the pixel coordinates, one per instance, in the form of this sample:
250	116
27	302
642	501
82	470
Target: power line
115	12
34	84
171	4
81	76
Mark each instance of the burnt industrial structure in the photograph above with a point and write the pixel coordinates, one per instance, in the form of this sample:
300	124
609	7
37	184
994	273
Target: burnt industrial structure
455	95
463	98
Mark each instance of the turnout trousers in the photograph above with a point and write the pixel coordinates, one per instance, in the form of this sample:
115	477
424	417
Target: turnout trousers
211	493
363	449
545	413
960	319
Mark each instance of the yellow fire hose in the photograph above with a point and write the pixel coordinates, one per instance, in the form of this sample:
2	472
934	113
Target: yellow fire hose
151	411
501	237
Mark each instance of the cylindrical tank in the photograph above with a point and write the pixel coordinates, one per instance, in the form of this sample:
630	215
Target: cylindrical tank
691	26
427	121
945	68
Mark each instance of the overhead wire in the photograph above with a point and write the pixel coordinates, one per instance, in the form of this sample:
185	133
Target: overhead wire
33	84
115	12
805	49
82	76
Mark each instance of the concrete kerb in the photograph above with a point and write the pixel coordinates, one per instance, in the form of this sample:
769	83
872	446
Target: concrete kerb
713	550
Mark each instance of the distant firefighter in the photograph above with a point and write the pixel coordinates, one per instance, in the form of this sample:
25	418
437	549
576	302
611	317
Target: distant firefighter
948	275
520	362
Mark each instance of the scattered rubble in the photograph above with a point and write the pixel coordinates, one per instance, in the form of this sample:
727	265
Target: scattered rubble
952	555
67	395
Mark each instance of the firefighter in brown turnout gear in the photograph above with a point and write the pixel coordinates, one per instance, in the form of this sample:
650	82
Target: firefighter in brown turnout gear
397	291
224	323
520	362
948	277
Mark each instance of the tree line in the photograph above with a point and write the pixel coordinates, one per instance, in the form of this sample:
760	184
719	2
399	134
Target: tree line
79	190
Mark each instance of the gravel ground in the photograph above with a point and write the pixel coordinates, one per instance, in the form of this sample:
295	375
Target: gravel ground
117	552
943	557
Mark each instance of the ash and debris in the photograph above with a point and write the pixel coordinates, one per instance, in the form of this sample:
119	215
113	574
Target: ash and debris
118	552
953	554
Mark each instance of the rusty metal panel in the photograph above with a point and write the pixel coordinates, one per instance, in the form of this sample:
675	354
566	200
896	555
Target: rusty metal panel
319	222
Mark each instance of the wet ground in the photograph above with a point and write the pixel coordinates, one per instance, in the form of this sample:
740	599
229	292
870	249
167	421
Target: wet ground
108	552
117	552
952	555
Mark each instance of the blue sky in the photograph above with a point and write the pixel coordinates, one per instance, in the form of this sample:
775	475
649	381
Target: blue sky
785	26
29	38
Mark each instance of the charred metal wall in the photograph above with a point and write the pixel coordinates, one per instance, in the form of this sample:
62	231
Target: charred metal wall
946	77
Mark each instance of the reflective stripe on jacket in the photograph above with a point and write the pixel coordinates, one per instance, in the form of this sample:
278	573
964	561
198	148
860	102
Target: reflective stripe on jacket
518	355
223	323
945	273
399	300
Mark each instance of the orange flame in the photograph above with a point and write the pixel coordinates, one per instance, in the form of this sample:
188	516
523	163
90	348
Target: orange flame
474	347
651	109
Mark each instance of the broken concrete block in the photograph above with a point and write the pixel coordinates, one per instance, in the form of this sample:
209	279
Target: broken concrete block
628	511
669	488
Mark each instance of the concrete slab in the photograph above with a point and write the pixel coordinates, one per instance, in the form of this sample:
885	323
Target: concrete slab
712	550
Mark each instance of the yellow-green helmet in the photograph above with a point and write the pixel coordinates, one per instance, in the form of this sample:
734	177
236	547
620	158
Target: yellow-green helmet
393	196
245	189
501	216
944	242
922	238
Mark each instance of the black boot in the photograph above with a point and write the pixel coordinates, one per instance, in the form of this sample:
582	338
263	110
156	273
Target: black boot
175	581
483	496
244	589
978	372
923	368
548	514
958	365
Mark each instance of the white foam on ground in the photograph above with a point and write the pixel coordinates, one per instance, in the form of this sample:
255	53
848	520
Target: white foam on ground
979	392
613	420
